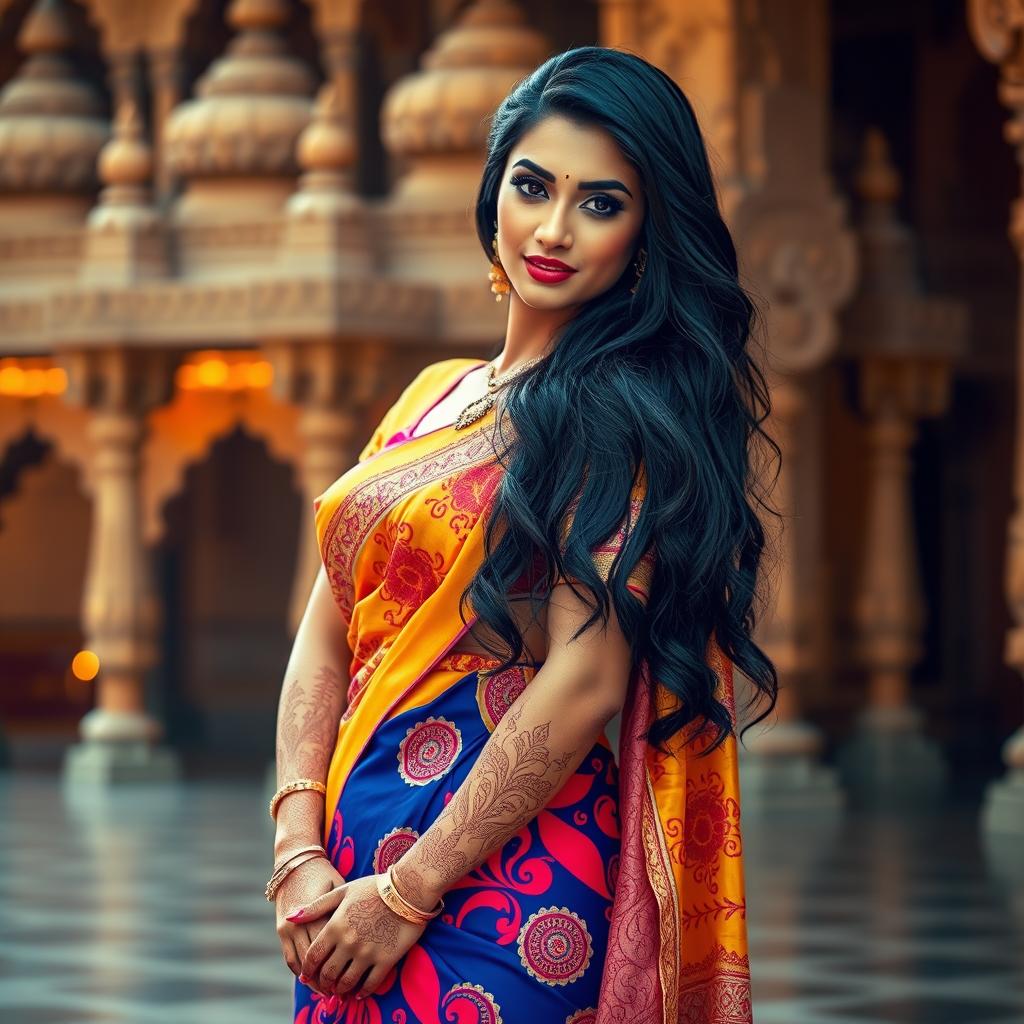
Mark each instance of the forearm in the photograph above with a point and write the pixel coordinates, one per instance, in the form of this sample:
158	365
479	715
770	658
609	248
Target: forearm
312	701
537	746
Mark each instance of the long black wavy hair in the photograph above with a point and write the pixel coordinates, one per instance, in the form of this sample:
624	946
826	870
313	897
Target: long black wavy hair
658	384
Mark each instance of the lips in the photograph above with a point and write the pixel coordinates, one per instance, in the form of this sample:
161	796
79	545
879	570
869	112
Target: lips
549	264
547	273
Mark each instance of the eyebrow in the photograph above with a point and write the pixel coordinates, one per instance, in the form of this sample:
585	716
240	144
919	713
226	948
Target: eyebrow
610	183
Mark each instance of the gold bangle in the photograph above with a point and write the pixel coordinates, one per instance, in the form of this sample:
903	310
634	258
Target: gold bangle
396	902
277	879
414	909
292	787
294	853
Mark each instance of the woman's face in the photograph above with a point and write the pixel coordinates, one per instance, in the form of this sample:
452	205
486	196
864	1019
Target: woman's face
569	195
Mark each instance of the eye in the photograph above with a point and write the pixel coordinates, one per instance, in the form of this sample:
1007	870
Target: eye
525	179
611	208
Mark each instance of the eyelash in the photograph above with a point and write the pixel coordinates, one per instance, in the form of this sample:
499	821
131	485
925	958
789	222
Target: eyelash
520	179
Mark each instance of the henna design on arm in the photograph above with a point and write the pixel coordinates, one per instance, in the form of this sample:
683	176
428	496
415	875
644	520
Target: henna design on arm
308	723
306	732
515	775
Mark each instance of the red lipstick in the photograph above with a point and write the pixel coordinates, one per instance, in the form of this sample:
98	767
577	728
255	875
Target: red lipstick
547	270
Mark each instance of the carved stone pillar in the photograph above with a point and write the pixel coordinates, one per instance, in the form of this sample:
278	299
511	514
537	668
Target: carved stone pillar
120	609
165	74
781	769
904	342
998	31
889	758
334	385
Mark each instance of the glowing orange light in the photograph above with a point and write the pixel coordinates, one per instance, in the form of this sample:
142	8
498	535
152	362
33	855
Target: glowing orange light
29	378
212	373
10	379
260	374
85	665
220	371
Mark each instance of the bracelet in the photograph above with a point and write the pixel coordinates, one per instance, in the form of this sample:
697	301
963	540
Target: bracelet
288	865
394	900
292	787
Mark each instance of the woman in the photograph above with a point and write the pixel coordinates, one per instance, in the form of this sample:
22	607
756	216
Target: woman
530	551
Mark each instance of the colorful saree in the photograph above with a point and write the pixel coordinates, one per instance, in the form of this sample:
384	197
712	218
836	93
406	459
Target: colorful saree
623	899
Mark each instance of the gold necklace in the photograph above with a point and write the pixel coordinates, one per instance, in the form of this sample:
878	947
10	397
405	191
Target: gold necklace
481	406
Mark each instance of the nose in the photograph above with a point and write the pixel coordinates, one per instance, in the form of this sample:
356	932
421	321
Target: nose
553	231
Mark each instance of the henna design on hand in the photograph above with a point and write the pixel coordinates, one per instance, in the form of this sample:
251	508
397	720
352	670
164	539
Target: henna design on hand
371	919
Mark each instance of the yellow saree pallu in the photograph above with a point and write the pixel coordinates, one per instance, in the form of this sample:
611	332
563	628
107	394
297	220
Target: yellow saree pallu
401	536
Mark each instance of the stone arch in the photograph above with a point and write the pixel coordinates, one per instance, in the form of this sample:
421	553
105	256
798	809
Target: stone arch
45	523
182	433
55	422
224	571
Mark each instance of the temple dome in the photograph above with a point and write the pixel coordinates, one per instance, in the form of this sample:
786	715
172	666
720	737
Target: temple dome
444	107
250	106
51	123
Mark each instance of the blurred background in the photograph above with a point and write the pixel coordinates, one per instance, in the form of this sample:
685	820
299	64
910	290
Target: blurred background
231	232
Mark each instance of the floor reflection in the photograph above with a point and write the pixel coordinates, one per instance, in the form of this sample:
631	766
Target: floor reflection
146	904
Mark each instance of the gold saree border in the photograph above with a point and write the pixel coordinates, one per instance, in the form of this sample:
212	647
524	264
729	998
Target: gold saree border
363	507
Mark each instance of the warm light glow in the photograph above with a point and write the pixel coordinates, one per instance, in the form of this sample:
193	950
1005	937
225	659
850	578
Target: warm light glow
260	374
224	371
212	373
85	665
29	378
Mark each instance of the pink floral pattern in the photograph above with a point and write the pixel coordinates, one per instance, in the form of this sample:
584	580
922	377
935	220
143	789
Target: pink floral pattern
464	497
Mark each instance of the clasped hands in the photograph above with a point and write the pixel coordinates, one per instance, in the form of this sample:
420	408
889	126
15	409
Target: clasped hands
363	935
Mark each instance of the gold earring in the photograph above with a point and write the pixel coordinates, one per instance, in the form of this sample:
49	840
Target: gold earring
640	265
500	283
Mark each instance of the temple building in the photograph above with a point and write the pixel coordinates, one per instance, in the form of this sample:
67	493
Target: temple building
231	231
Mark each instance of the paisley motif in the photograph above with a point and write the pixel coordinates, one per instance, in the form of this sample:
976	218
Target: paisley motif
555	946
428	751
587	1016
496	694
392	846
486	1009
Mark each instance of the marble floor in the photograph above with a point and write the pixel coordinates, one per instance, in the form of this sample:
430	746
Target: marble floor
146	905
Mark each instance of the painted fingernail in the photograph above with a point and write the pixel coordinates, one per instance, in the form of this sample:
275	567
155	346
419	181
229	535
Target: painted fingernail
331	1005
296	915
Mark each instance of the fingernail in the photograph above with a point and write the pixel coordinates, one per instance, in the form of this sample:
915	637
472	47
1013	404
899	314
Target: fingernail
303	979
296	915
331	1004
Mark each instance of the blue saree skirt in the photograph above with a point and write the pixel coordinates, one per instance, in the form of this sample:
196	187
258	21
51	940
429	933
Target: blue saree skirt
523	937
